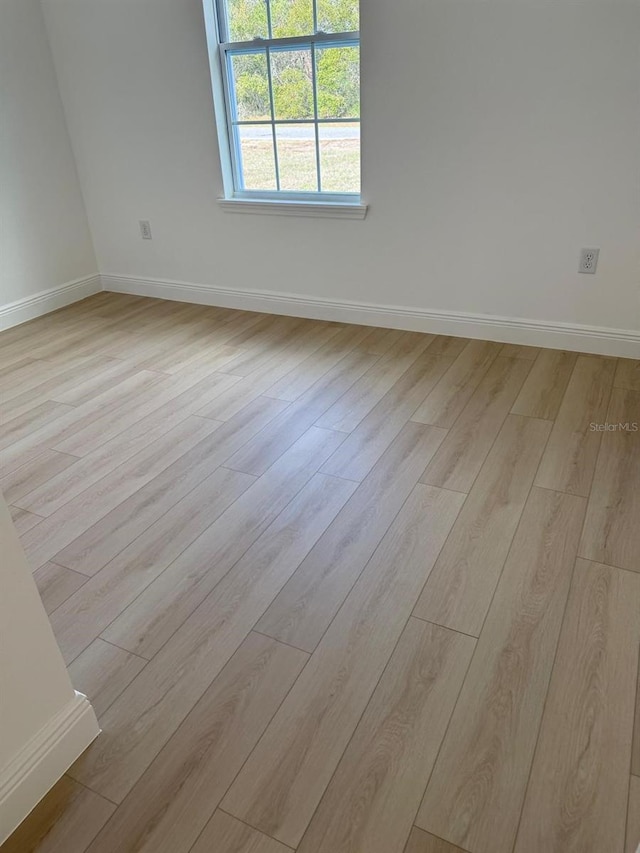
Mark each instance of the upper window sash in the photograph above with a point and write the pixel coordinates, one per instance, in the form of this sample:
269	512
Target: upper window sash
221	12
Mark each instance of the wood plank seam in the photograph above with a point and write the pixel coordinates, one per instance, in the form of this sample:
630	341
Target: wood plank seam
220	809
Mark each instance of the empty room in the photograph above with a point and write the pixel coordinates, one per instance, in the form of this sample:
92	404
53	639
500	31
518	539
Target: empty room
319	426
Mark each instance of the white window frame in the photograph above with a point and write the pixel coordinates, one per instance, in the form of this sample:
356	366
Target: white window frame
237	199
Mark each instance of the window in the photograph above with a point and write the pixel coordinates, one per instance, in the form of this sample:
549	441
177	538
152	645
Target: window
290	92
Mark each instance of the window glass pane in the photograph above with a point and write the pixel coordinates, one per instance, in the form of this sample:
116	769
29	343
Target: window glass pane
340	157
250	86
246	19
291	78
257	159
291	18
338	16
297	157
338	81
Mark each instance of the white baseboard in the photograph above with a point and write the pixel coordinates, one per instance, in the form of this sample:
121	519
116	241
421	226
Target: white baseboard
513	330
45	301
43	760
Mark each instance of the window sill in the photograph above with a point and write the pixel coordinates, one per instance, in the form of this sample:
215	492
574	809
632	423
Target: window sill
294	208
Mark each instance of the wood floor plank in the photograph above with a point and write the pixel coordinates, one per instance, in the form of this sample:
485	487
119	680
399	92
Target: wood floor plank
545	386
520	351
459	459
302	377
448	346
149	621
85	615
373	797
28	374
69	522
114	372
459	590
82	371
47	436
65	821
56	584
282	783
211	348
262	451
612	527
144	717
366	444
91	338
107	304
276	339
249	359
45	414
173	340
20	382
11	372
263	342
226	834
34	474
284	352
477	788
23	376
179	792
577	794
155	316
357	402
215	357
248	335
24	520
452	393
12	375
170	328
102	672
261	381
28	337
379	340
633	817
303	610
129	344
93	549
107	456
105	311
423	842
627	374
570	458
171	388
204	348
46	343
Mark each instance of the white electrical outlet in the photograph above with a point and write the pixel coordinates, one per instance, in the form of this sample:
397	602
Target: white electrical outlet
145	229
588	260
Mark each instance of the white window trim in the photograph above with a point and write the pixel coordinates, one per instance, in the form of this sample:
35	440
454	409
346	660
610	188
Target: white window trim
332	205
285	207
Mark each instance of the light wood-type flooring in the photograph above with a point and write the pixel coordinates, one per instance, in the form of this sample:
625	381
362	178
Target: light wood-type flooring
330	588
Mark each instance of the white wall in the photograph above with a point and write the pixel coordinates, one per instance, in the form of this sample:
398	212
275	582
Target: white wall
44	234
499	136
44	723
